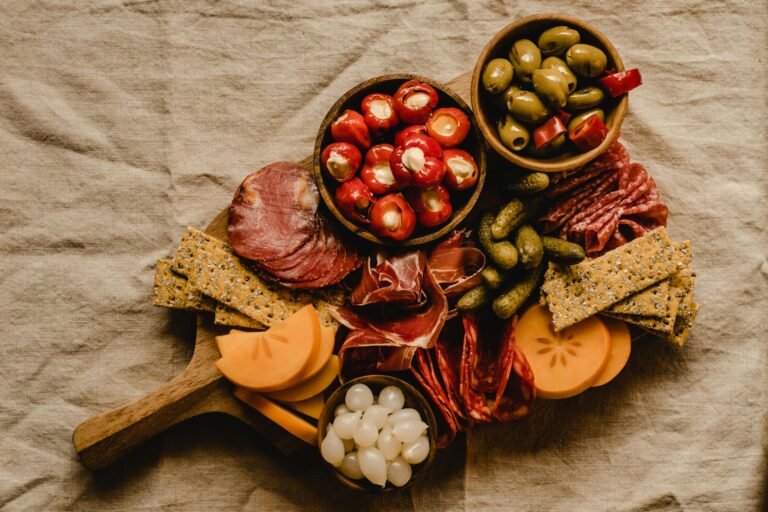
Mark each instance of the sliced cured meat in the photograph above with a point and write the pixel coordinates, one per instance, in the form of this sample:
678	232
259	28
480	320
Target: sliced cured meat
515	392
318	265
474	402
424	373
615	157
294	259
457	269
410	327
448	357
364	352
396	280
273	212
609	202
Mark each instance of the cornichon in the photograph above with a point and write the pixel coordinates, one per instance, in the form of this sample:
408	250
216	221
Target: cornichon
529	247
562	250
513	214
528	183
503	254
493	277
507	304
473	299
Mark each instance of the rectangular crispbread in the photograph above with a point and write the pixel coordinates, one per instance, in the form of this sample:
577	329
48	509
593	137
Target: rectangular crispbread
215	271
224	315
576	292
172	290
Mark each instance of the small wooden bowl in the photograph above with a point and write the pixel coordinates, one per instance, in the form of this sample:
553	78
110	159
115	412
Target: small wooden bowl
413	399
530	27
462	201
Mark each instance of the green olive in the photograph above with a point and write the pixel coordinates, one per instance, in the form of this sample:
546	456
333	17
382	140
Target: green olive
562	67
577	120
557	40
497	75
513	135
526	58
551	85
527	107
585	98
549	148
586	60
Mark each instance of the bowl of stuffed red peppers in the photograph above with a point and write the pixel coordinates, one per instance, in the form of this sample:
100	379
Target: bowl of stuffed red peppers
550	92
399	160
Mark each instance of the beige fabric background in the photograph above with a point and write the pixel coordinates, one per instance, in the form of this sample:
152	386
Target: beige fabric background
123	122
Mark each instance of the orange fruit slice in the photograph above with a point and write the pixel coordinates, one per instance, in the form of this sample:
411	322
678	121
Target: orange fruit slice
621	346
320	358
273	359
310	387
567	362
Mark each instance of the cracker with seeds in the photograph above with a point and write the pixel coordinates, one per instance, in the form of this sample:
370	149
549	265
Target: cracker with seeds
224	315
579	291
651	302
171	290
214	270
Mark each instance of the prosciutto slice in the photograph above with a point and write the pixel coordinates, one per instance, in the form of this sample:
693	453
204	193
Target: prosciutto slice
364	352
457	269
402	326
397	280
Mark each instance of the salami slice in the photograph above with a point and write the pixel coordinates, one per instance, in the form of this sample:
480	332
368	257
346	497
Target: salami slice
475	403
274	212
609	202
515	392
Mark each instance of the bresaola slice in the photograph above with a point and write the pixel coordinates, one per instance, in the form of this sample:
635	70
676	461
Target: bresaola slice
273	213
274	222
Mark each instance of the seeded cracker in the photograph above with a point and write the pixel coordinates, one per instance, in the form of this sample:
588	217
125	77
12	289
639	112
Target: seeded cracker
224	315
172	290
214	270
652	302
579	291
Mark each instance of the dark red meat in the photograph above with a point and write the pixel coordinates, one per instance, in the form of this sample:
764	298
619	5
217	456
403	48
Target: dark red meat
274	212
605	204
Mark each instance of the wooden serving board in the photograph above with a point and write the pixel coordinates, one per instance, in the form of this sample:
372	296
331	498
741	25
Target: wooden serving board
199	389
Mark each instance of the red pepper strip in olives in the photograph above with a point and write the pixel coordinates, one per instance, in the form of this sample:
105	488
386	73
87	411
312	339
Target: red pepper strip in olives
376	172
354	199
621	82
392	217
341	160
460	169
350	127
432	205
448	126
379	112
548	131
418	162
414	101
589	134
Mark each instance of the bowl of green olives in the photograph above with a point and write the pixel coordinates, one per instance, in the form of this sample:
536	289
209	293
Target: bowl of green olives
535	86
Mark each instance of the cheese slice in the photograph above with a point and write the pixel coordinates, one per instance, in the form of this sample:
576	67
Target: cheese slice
281	416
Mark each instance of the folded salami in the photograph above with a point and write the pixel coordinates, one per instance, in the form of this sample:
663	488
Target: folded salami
604	205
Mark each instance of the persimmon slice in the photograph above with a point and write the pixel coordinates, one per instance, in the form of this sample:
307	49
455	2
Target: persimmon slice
621	346
320	358
567	362
310	387
273	359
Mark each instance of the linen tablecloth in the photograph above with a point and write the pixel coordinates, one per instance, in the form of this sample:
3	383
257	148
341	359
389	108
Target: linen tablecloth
122	122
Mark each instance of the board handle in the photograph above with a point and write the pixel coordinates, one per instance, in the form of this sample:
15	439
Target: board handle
103	439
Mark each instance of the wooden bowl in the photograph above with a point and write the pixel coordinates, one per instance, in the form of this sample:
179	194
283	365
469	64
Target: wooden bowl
413	399
462	201
486	115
